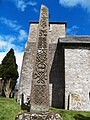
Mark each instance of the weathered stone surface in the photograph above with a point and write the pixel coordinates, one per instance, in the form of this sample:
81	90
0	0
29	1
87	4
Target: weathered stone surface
38	116
77	78
27	70
40	80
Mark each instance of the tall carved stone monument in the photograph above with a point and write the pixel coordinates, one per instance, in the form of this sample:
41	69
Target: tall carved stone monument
40	82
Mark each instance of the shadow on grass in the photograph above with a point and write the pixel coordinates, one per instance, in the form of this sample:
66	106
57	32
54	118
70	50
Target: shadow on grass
81	117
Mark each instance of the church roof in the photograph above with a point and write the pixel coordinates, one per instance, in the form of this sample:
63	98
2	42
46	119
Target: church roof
75	39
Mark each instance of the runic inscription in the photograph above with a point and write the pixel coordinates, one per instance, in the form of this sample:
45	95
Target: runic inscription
40	82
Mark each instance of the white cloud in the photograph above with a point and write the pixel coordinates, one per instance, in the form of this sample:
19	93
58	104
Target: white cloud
71	3
22	35
6	43
22	4
10	38
2	55
73	30
19	59
10	23
32	3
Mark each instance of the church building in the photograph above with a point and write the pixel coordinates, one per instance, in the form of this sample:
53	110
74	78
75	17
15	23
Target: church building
69	67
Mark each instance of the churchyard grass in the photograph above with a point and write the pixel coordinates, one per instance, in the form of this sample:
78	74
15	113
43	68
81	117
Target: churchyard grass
72	114
75	115
9	109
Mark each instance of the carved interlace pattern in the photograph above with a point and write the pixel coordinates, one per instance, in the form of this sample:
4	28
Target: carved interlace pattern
40	83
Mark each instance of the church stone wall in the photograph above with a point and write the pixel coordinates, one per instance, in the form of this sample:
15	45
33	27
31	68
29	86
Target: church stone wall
69	69
32	37
55	31
77	78
27	70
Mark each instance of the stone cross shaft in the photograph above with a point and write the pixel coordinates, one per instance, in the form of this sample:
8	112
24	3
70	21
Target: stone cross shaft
40	82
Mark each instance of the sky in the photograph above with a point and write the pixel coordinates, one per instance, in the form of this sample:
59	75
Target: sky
15	16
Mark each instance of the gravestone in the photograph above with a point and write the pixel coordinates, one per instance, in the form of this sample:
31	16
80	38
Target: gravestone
40	82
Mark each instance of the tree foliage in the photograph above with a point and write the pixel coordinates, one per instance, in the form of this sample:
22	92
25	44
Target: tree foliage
9	72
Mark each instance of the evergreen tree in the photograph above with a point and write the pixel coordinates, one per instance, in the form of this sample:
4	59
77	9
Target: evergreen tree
9	72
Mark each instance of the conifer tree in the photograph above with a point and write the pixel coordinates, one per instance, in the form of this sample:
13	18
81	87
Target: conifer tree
9	72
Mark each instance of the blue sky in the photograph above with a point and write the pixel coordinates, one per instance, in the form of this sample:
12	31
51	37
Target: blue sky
16	14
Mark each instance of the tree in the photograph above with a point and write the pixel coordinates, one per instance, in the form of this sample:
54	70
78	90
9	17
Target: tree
9	72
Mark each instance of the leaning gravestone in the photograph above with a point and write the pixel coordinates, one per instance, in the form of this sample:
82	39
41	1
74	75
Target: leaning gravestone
40	83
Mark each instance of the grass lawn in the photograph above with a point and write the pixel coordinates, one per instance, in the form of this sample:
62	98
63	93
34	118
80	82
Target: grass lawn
73	114
9	109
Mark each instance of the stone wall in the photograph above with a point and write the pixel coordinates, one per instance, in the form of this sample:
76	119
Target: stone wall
77	78
69	75
55	31
27	70
69	68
